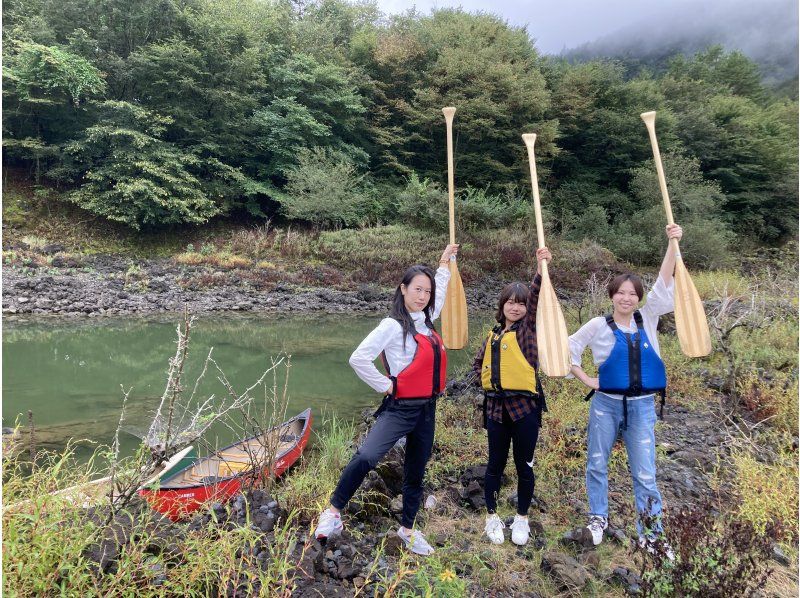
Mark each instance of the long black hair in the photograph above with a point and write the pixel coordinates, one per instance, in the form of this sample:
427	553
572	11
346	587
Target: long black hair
399	311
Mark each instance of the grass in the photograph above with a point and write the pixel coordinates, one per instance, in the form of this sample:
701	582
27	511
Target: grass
45	546
711	284
217	259
767	492
307	491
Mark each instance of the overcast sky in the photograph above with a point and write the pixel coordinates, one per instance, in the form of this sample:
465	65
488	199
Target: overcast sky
560	24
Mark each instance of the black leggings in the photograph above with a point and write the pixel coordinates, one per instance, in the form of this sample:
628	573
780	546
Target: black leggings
524	433
416	421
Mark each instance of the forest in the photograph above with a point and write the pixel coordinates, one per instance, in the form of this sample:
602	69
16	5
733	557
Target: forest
165	113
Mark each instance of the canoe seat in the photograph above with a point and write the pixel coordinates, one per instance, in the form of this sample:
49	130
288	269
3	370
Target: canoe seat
227	468
234	456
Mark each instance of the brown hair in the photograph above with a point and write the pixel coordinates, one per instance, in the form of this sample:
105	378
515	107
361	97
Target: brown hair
614	285
516	291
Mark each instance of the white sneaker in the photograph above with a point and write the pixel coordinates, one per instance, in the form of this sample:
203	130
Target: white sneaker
597	525
415	542
520	530
649	543
494	528
330	524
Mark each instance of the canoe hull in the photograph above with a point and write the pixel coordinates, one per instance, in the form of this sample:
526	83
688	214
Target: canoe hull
178	503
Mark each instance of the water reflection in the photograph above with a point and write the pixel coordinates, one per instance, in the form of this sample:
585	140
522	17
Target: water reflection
70	373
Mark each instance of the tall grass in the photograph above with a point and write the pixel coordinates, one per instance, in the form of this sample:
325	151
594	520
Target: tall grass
307	490
48	540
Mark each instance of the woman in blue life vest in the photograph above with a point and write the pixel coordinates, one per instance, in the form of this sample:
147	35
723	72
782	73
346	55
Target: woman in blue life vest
414	357
625	348
506	368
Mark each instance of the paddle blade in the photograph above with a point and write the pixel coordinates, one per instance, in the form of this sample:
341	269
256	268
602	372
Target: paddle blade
690	317
454	312
551	333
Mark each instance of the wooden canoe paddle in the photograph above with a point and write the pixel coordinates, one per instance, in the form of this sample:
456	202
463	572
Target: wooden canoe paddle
454	311
690	318
551	329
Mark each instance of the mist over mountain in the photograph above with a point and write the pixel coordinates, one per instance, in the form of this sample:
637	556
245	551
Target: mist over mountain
766	31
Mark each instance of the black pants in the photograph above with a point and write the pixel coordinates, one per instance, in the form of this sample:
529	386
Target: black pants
524	433
414	421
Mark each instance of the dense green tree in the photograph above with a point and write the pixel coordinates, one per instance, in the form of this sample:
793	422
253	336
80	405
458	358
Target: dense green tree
44	90
312	103
478	63
599	126
129	175
325	188
730	71
697	204
165	111
745	141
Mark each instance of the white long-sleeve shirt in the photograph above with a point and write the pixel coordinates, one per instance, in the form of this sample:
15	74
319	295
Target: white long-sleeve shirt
598	336
388	338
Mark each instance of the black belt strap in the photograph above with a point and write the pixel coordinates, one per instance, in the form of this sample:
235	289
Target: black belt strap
624	412
540	391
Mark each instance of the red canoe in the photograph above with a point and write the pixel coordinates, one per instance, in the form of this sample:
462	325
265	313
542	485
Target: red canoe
222	475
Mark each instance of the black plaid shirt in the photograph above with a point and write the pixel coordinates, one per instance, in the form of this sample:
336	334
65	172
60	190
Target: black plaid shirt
525	329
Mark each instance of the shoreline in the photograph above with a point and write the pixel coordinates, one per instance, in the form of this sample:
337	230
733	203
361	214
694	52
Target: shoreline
111	285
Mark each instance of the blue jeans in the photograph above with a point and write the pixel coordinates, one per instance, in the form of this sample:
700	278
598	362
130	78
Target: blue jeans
605	421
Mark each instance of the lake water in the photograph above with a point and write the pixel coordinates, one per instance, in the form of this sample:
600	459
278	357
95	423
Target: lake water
69	373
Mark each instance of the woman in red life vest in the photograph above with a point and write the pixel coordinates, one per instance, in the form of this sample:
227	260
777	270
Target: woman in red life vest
416	364
506	368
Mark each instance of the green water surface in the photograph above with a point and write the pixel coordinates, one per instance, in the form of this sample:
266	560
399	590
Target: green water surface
70	373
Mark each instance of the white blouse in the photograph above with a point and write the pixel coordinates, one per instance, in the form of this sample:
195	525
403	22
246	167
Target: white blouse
598	336
388	338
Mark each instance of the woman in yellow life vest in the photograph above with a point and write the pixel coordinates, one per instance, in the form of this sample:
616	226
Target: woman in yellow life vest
506	369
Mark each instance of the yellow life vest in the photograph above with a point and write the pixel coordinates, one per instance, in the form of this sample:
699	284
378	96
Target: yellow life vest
505	367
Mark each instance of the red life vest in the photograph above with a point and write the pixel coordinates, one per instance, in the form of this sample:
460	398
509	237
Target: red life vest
426	375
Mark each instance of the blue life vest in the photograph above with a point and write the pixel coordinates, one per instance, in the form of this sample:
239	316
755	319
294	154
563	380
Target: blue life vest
633	368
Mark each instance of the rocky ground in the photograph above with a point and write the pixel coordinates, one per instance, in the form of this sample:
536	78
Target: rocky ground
690	442
368	550
98	285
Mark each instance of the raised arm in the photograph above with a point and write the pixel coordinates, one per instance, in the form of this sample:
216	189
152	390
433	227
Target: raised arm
668	265
442	278
536	284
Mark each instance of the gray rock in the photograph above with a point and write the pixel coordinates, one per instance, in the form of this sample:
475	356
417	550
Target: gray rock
567	573
779	556
579	537
627	579
590	559
693	458
617	535
52	248
396	506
